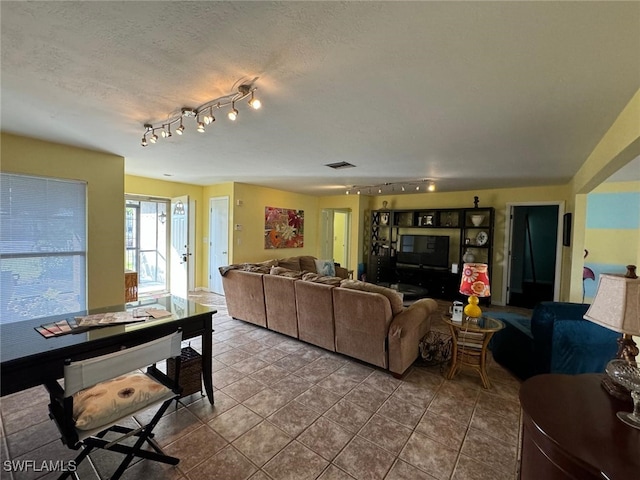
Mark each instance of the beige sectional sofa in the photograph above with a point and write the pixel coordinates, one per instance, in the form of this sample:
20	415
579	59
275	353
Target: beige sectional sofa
361	320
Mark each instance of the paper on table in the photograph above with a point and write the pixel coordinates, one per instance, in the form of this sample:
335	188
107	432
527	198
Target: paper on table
54	329
110	318
158	312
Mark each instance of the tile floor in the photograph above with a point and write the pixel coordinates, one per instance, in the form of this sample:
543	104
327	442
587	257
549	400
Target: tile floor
286	410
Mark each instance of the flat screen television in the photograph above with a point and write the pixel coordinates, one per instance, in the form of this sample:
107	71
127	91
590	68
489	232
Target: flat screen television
424	250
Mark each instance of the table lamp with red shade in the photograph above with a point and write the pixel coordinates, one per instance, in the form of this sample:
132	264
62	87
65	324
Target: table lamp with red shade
475	283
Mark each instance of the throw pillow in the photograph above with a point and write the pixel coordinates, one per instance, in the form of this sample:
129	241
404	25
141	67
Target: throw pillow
395	298
326	267
108	401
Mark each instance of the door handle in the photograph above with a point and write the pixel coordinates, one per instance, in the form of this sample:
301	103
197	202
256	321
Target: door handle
224	253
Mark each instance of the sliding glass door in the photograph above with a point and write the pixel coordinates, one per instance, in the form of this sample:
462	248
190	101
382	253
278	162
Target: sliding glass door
146	230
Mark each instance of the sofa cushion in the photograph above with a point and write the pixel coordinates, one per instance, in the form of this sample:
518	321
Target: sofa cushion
317	278
290	263
326	267
285	272
308	263
395	298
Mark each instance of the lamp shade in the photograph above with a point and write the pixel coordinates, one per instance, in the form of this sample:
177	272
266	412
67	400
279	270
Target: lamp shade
617	304
475	280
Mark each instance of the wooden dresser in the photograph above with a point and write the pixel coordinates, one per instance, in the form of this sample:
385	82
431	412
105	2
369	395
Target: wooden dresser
571	431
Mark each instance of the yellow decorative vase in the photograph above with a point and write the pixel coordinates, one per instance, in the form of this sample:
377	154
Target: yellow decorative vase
472	309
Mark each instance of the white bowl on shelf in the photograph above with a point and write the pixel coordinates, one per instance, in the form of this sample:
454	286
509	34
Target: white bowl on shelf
477	220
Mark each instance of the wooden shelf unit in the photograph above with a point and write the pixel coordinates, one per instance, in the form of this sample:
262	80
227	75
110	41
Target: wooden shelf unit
387	227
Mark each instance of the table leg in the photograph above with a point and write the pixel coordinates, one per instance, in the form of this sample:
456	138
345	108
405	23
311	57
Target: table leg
207	353
483	372
454	354
483	362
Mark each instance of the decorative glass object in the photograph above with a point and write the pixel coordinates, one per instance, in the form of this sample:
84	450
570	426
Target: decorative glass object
627	374
468	256
477	220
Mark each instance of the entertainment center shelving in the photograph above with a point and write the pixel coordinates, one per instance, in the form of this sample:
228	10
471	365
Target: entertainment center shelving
469	230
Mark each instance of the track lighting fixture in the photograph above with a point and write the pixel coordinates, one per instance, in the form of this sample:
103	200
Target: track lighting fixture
203	114
254	102
392	188
233	113
208	117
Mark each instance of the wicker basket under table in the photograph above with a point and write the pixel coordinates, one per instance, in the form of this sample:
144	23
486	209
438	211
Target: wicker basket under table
190	371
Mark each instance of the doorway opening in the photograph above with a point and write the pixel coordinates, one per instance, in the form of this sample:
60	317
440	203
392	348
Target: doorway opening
336	228
534	253
146	240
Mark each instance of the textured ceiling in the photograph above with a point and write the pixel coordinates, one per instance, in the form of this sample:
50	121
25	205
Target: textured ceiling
470	94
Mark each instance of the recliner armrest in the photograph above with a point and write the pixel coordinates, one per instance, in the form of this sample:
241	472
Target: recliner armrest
412	317
580	346
405	332
543	318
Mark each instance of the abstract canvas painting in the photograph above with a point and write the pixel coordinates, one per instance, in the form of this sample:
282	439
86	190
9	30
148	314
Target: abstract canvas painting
283	228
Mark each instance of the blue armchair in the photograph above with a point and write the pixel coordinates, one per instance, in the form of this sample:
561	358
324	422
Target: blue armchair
555	340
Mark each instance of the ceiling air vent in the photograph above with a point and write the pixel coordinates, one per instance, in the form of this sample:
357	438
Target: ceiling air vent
339	165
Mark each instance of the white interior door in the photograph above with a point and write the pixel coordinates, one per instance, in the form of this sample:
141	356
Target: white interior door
218	241
180	254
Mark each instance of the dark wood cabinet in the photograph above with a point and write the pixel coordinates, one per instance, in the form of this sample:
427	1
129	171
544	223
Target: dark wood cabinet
470	237
571	431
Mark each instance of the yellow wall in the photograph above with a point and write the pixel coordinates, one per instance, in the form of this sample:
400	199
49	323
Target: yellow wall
159	188
248	243
104	175
613	241
622	245
619	146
